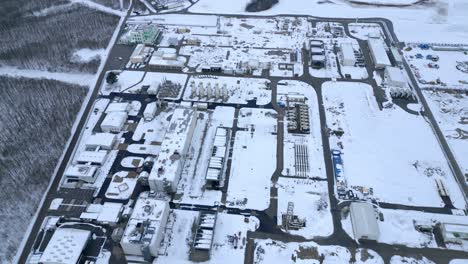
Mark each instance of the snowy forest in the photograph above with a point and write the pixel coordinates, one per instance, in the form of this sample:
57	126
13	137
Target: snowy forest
37	114
35	124
45	37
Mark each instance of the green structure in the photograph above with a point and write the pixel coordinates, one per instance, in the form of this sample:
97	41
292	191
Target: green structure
141	34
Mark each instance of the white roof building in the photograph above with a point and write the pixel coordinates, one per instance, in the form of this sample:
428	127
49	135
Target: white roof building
107	213
364	221
65	246
347	54
394	77
114	121
85	173
95	157
145	228
150	111
118	107
378	53
166	171
138	55
102	140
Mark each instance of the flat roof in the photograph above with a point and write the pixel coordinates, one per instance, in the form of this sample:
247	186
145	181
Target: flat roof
395	74
118	107
92	156
149	210
379	54
115	119
80	171
364	221
65	246
347	50
101	139
175	139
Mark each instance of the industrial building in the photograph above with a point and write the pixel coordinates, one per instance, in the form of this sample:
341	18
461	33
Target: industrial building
104	141
397	57
139	54
218	157
114	122
317	61
65	246
166	171
364	221
394	77
378	53
298	119
204	234
118	107
141	34
346	54
166	59
108	213
454	233
85	173
150	111
92	157
145	228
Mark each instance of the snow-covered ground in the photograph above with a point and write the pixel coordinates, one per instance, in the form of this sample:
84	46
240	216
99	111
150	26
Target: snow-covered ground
391	151
410	260
364	30
313	141
451	112
444	19
398	228
447	75
253	159
87	55
176	248
311	203
270	251
133	82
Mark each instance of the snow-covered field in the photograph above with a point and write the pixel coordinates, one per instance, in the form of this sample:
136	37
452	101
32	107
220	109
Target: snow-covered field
271	251
444	19
398	228
409	260
253	160
389	150
451	112
311	203
176	248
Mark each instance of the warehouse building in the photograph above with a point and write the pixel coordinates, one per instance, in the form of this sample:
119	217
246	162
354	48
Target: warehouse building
65	246
394	77
378	53
346	54
166	171
150	111
141	34
317	61
114	122
104	141
145	228
204	236
364	221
